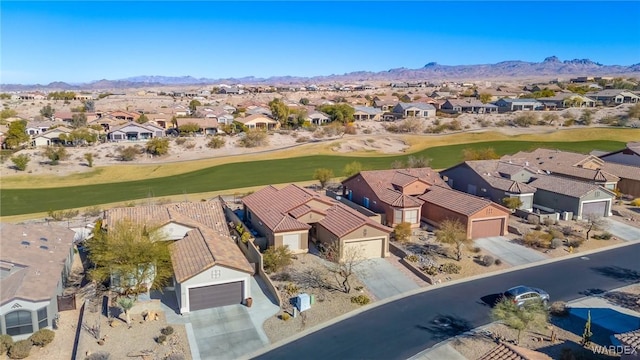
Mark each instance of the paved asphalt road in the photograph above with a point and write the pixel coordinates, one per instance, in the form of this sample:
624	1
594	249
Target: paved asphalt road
403	328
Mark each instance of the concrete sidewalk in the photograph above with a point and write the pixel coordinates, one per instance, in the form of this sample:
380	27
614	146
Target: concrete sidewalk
509	252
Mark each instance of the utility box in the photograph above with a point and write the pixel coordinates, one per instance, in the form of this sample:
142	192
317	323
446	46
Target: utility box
303	302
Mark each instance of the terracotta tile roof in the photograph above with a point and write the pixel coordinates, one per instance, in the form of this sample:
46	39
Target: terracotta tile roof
342	220
558	163
511	352
387	184
304	210
634	146
631	338
32	272
560	185
204	122
257	118
207	244
457	201
273	206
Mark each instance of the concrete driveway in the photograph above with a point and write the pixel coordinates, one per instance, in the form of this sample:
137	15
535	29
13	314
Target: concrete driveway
509	252
383	279
622	230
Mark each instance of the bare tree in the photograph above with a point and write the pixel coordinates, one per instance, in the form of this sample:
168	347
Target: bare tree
342	267
452	232
595	222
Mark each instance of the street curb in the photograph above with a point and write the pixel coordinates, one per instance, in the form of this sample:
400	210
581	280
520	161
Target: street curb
427	289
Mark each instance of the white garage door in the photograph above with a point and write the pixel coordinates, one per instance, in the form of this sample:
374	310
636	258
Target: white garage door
598	208
368	249
292	241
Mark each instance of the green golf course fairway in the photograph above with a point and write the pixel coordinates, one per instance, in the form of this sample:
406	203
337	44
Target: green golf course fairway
252	173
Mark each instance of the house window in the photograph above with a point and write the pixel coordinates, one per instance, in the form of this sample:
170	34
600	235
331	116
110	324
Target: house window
411	216
18	322
397	216
365	202
42	318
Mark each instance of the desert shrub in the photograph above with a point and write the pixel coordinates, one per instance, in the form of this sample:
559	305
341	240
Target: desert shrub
487	260
158	146
285	316
451	268
430	270
567	230
569	122
498	262
635	202
129	153
181	140
93	211
189	145
161	339
276	258
216	142
367	131
5	343
475	249
20	349
167	330
100	355
555	233
500	123
360	300
350	129
537	239
526	119
575	242
605	236
56	154
42	337
402	232
412	258
538	227
290	288
533	220
548	222
556	243
558	308
302	139
254	138
245	237
20	161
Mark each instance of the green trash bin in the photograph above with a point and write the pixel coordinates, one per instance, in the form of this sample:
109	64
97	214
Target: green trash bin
312	299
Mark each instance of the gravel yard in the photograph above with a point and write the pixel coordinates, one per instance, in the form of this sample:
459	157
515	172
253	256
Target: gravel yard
309	275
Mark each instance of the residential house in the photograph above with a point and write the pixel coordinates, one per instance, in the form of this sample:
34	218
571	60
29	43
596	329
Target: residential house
180	110
385	103
123	115
317	117
392	193
260	110
506	104
34	128
498	179
567	100
496	94
614	97
66	116
504	351
416	109
35	262
209	268
468	105
259	121
540	87
292	216
230	90
50	137
225	119
399	85
631	342
494	180
133	131
576	166
163	120
207	126
366	113
630	155
481	217
442	95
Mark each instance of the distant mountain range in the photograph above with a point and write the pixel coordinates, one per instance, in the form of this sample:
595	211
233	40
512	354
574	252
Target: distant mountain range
550	67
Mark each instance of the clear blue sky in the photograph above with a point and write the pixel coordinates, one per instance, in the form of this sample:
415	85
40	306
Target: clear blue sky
76	41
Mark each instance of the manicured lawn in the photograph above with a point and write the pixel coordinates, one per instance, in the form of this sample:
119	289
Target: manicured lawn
252	173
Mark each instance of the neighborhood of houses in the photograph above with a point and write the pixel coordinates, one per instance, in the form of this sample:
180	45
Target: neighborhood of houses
226	109
218	246
213	265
